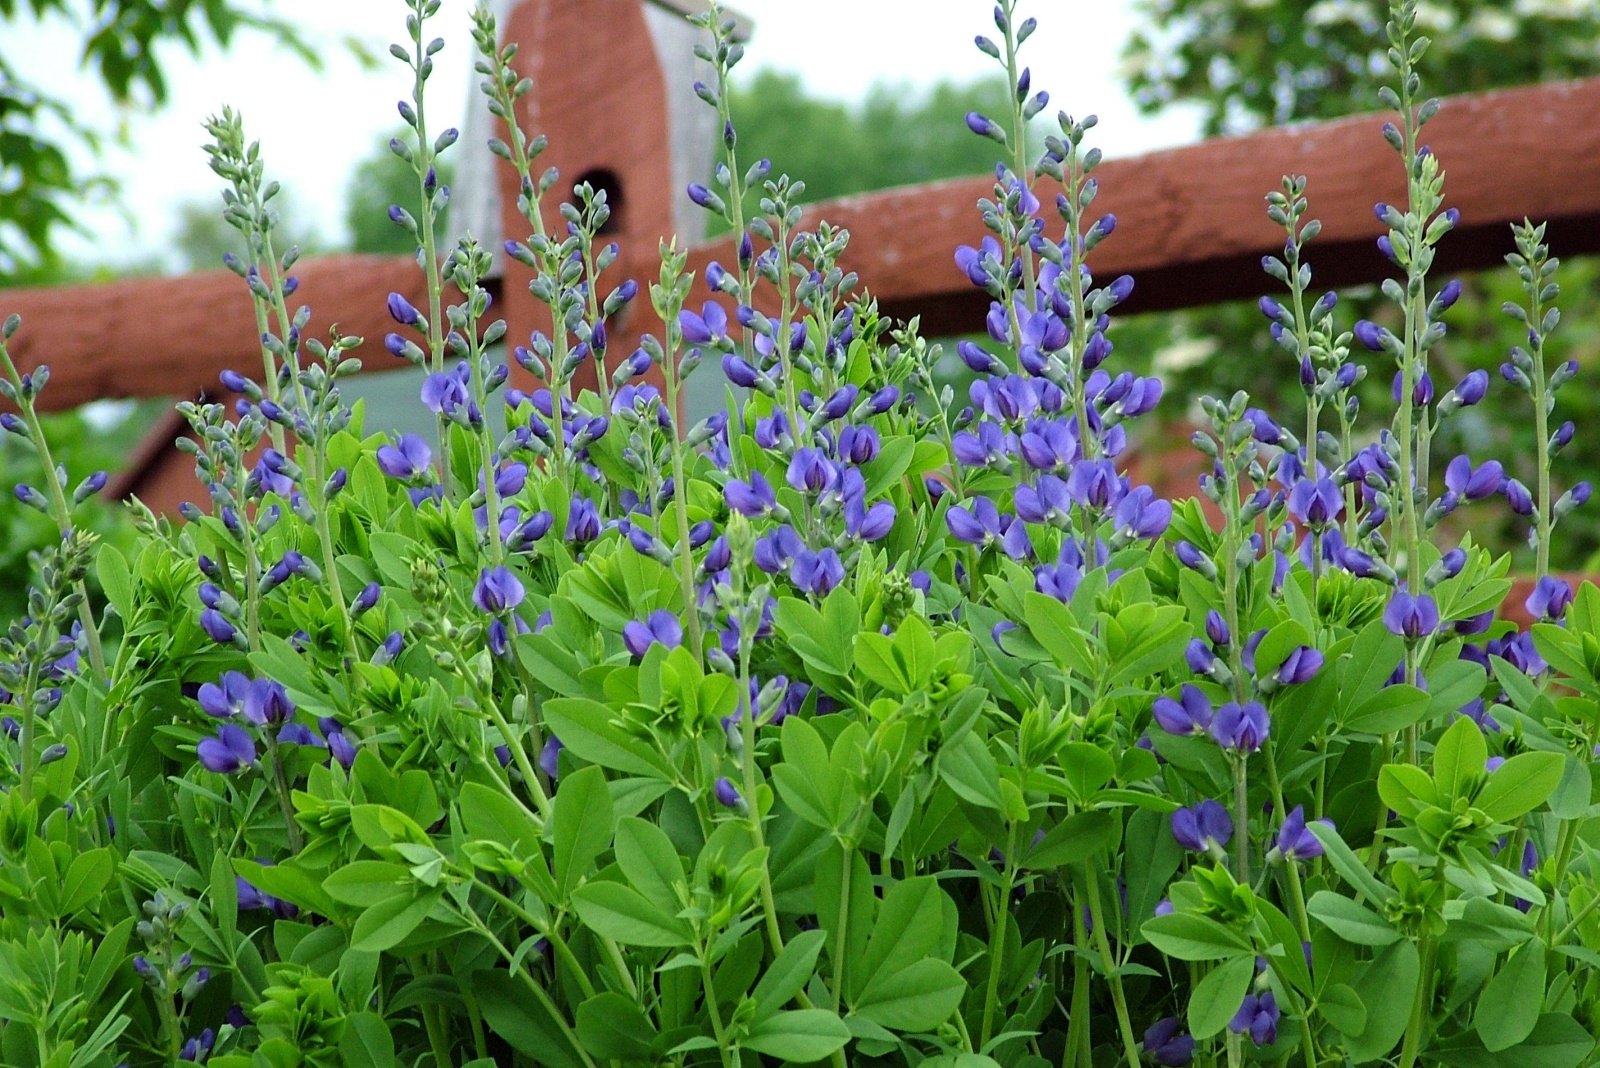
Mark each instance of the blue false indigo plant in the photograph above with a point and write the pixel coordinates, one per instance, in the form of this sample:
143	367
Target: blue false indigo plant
851	724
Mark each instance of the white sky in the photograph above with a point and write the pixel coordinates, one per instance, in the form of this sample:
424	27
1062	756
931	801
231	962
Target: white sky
313	126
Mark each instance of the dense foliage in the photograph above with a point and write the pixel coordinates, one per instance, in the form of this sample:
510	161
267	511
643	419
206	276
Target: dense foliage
834	727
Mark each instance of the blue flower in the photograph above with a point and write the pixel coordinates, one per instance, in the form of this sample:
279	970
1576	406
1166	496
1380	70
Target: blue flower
817	573
727	794
1411	617
1549	599
1258	1016
497	591
662	626
550	757
1240	728
1205	828
1474	484
1189	714
230	750
225	698
406	459
1295	840
754	498
217	626
1166	1046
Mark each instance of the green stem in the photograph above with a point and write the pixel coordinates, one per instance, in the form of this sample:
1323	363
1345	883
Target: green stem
1420	1008
837	978
730	1057
1130	1044
997	938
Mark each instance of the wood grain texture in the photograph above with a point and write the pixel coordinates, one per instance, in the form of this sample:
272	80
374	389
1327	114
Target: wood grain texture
169	337
1192	223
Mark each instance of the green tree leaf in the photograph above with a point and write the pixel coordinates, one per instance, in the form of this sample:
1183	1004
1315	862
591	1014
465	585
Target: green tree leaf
918	997
612	910
1354	923
581	825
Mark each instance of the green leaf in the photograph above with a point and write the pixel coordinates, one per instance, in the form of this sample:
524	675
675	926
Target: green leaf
1354	923
1458	759
1390	709
366	1040
1490	925
801	1036
788	973
1387	986
1216	998
648	858
516	1014
1520	785
916	998
908	928
1341	1006
1508	1008
116	579
1054	627
1372	660
86	879
1572	796
1191	937
612	910
1073	840
364	883
581	825
613	1028
875	661
586	728
970	771
1345	862
391	921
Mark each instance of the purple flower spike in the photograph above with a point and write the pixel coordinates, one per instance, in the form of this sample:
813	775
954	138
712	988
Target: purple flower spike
1295	840
1189	714
1257	1016
230	750
1473	388
1549	599
1166	1046
1315	502
662	626
1240	728
1411	617
497	591
1205	828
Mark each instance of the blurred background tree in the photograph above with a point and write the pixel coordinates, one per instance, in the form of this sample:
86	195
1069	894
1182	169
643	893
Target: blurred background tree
39	125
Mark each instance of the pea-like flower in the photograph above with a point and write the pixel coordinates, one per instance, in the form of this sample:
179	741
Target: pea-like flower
662	626
753	498
217	626
1411	617
498	590
1315	502
1258	1017
727	794
1189	714
225	698
1205	828
230	750
1167	1044
406	458
1295	840
817	572
1301	665
1474	484
550	757
1549	599
1240	728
